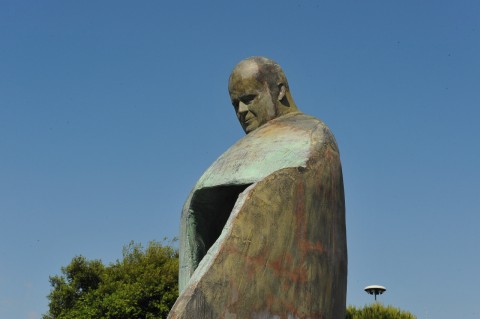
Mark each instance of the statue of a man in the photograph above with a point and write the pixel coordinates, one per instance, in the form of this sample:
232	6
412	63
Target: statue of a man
263	230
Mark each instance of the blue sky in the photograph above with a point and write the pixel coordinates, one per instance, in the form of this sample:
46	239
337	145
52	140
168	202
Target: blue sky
111	110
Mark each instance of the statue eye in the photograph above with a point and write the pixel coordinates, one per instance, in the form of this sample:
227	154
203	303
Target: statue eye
247	99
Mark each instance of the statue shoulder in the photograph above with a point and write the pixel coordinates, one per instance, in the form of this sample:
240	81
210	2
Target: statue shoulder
319	132
291	140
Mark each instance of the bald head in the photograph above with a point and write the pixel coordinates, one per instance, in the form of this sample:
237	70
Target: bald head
263	70
259	92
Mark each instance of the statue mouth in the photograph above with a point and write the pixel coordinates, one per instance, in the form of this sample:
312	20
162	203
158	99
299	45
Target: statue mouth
249	118
248	123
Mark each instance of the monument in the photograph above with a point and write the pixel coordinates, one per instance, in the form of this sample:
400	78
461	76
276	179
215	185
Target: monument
263	230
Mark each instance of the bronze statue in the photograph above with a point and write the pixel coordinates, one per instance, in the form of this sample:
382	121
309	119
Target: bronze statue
263	231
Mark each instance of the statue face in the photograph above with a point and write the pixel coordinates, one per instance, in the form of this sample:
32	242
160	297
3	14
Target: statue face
251	99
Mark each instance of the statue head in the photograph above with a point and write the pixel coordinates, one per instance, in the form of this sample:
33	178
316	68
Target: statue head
259	92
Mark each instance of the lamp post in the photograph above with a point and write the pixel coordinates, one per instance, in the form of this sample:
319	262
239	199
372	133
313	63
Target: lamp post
375	290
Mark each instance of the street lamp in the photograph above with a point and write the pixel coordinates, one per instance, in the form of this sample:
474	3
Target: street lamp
375	290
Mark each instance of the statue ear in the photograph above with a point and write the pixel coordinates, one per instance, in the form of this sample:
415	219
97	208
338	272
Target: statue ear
281	91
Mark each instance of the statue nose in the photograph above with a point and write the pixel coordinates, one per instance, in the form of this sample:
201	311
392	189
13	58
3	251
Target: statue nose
242	107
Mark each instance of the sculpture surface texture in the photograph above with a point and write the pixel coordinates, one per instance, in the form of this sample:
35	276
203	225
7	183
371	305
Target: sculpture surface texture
263	230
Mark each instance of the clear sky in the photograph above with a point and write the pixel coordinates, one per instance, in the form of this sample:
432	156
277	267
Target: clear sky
111	110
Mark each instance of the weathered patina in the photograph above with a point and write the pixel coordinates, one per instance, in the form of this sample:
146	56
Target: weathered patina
263	230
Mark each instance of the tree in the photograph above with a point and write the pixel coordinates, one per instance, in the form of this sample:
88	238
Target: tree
377	311
144	284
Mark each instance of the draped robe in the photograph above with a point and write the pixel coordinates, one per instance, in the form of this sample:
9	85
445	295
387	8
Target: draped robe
263	230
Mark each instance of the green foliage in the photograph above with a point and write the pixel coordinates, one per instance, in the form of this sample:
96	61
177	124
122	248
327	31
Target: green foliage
377	311
144	284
